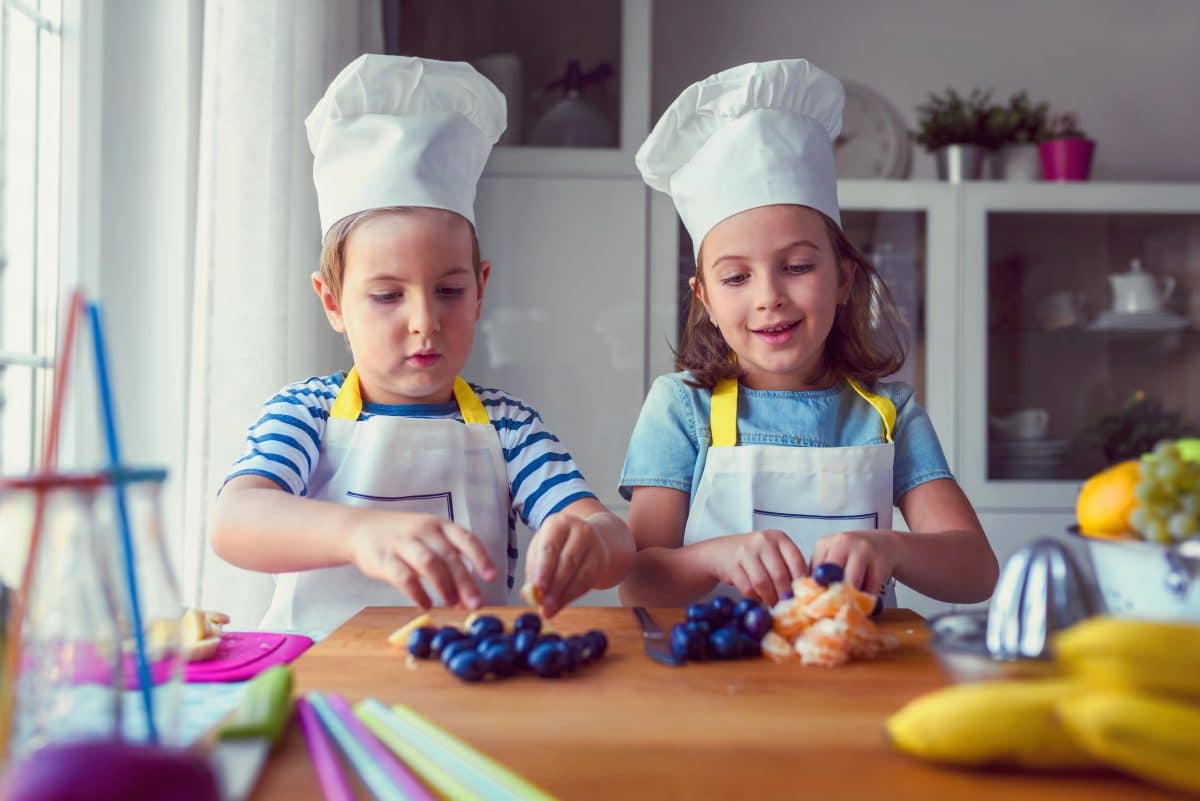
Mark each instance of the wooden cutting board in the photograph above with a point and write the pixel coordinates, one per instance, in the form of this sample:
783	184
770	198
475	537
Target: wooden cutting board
630	728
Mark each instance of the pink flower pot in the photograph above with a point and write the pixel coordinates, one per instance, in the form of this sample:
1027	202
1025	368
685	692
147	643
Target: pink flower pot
1066	159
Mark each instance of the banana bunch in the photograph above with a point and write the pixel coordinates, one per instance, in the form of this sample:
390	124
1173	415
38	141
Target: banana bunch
1128	697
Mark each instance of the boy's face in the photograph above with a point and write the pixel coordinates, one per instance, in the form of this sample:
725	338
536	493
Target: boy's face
410	300
772	286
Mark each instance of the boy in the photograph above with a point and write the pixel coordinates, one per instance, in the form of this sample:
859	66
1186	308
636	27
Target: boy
398	477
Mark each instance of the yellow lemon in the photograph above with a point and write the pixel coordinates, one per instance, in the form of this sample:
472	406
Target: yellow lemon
1106	500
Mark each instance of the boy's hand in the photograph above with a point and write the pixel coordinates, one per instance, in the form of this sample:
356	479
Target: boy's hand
404	549
566	559
760	564
867	558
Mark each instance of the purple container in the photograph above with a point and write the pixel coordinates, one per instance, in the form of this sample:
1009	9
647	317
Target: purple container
1066	159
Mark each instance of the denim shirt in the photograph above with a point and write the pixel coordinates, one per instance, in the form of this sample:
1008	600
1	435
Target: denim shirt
670	442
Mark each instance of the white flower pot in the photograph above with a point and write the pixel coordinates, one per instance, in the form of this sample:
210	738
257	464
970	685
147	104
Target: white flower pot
1019	163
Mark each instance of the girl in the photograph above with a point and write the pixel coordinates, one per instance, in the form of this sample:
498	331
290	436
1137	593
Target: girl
777	448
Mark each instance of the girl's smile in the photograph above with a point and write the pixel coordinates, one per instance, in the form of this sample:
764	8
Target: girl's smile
777	334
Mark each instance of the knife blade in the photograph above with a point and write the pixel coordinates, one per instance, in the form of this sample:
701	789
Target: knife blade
244	744
653	639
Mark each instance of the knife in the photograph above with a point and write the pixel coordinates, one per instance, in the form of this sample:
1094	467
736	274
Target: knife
245	742
655	641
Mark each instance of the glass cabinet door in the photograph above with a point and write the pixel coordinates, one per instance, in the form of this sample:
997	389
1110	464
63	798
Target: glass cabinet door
1087	330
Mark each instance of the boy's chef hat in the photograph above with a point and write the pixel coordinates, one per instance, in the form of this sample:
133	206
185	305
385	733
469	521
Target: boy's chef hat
402	131
750	136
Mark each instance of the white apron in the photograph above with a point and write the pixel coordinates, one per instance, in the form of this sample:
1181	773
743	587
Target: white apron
805	492
442	467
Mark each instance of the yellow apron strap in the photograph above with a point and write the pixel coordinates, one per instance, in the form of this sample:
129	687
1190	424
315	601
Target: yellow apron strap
723	413
469	404
348	404
885	407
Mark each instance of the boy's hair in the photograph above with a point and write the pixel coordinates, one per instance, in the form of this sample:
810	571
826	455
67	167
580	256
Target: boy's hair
865	342
333	249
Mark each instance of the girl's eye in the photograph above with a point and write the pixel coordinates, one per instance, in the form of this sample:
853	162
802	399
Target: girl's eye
736	279
452	291
386	297
798	269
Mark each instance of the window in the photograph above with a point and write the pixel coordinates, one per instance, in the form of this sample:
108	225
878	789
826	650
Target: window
31	232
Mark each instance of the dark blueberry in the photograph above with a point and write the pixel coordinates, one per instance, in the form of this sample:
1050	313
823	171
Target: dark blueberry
748	645
444	637
680	638
490	640
528	620
757	622
501	659
724	643
720	610
743	606
702	626
698	612
523	641
827	573
599	642
583	645
420	642
878	606
698	639
572	655
454	649
550	637
546	660
485	625
468	666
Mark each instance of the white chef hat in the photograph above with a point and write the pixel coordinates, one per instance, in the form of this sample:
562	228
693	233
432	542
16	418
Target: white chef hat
750	136
402	131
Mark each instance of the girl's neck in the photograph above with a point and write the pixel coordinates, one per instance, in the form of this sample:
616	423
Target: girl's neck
814	379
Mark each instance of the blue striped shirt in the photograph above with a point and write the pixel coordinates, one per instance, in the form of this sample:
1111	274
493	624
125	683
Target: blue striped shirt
284	446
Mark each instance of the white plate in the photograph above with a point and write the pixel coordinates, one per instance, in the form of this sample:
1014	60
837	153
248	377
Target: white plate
1138	321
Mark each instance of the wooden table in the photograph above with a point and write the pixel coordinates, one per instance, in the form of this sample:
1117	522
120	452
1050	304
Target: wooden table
630	728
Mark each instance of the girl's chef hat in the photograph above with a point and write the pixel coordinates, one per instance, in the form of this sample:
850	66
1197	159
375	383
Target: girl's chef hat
750	136
402	131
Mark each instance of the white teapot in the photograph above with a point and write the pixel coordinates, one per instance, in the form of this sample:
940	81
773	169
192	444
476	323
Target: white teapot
1137	292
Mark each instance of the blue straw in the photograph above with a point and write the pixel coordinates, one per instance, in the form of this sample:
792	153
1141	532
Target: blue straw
114	454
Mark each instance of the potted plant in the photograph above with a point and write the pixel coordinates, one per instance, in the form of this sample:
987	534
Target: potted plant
954	128
1017	127
1065	150
1136	428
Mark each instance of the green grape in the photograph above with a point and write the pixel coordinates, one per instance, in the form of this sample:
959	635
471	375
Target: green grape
1140	519
1181	526
1189	504
1157	531
1167	471
1167	450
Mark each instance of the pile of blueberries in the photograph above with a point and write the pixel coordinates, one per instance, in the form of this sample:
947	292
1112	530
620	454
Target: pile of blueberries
485	649
721	629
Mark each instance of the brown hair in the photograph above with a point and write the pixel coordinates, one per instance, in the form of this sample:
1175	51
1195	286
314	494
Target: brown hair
865	342
333	249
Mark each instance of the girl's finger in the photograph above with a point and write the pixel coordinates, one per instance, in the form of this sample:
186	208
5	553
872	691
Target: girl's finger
778	571
855	571
760	580
793	558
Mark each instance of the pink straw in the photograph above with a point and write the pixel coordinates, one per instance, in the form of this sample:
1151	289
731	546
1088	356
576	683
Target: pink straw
329	771
62	369
383	756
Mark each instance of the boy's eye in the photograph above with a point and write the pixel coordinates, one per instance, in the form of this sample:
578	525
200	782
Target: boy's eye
798	268
737	279
386	297
452	291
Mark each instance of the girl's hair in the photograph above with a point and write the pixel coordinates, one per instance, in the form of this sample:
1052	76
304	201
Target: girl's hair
333	249
865	342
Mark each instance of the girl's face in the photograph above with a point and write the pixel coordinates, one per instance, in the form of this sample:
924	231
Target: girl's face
771	283
409	303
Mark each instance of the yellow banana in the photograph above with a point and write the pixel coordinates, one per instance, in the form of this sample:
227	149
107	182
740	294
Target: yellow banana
992	723
1153	656
1149	737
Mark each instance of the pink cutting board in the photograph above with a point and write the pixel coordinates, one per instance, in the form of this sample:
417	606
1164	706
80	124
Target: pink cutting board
243	655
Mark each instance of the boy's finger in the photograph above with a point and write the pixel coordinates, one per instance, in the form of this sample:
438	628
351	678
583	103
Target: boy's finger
571	560
470	546
547	547
465	586
429	564
405	579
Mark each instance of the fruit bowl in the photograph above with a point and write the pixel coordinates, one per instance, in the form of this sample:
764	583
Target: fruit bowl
1145	579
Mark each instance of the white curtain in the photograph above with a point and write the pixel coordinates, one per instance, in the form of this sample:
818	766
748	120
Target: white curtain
257	325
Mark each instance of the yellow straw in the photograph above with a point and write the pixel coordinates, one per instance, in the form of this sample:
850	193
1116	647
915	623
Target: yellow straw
438	755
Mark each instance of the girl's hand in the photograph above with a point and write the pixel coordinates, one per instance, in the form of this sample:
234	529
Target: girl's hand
404	549
867	558
761	564
566	559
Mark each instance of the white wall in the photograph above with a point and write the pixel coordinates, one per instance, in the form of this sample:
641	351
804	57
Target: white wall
1128	67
